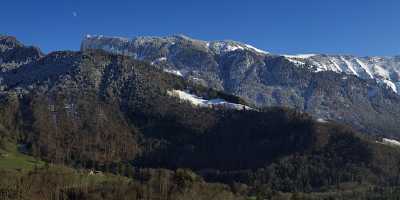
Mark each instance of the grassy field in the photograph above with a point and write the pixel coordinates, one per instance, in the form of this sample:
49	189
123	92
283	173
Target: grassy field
12	159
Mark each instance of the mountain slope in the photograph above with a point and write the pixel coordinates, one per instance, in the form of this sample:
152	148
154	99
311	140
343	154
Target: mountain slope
108	112
385	70
264	79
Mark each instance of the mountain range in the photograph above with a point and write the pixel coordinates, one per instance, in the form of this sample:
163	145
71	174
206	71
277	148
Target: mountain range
163	121
357	91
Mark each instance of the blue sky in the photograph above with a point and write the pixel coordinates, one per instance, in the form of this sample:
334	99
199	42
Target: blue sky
361	27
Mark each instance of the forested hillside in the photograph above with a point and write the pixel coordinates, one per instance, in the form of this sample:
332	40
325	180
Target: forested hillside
80	112
359	92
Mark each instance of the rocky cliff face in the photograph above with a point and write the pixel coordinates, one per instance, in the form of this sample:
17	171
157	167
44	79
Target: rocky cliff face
14	54
349	95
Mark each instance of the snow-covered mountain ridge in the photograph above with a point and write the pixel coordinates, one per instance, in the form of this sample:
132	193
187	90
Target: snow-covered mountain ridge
217	47
385	70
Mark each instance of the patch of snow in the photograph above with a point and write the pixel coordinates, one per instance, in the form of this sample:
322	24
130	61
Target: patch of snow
321	120
349	65
365	67
296	62
390	142
123	39
338	69
389	84
223	47
232	47
158	60
300	56
175	72
200	102
300	59
380	71
195	78
256	50
193	99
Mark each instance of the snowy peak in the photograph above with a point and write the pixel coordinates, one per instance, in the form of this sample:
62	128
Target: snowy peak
174	72
217	47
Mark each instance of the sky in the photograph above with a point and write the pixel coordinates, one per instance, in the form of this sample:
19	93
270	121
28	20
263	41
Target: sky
358	27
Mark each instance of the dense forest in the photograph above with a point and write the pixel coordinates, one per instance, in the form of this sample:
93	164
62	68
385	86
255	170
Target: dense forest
92	125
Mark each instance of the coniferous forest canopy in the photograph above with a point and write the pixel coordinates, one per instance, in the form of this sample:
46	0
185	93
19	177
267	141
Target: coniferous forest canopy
96	125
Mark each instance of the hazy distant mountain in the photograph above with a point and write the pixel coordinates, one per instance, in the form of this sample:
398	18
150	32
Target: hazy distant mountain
362	96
